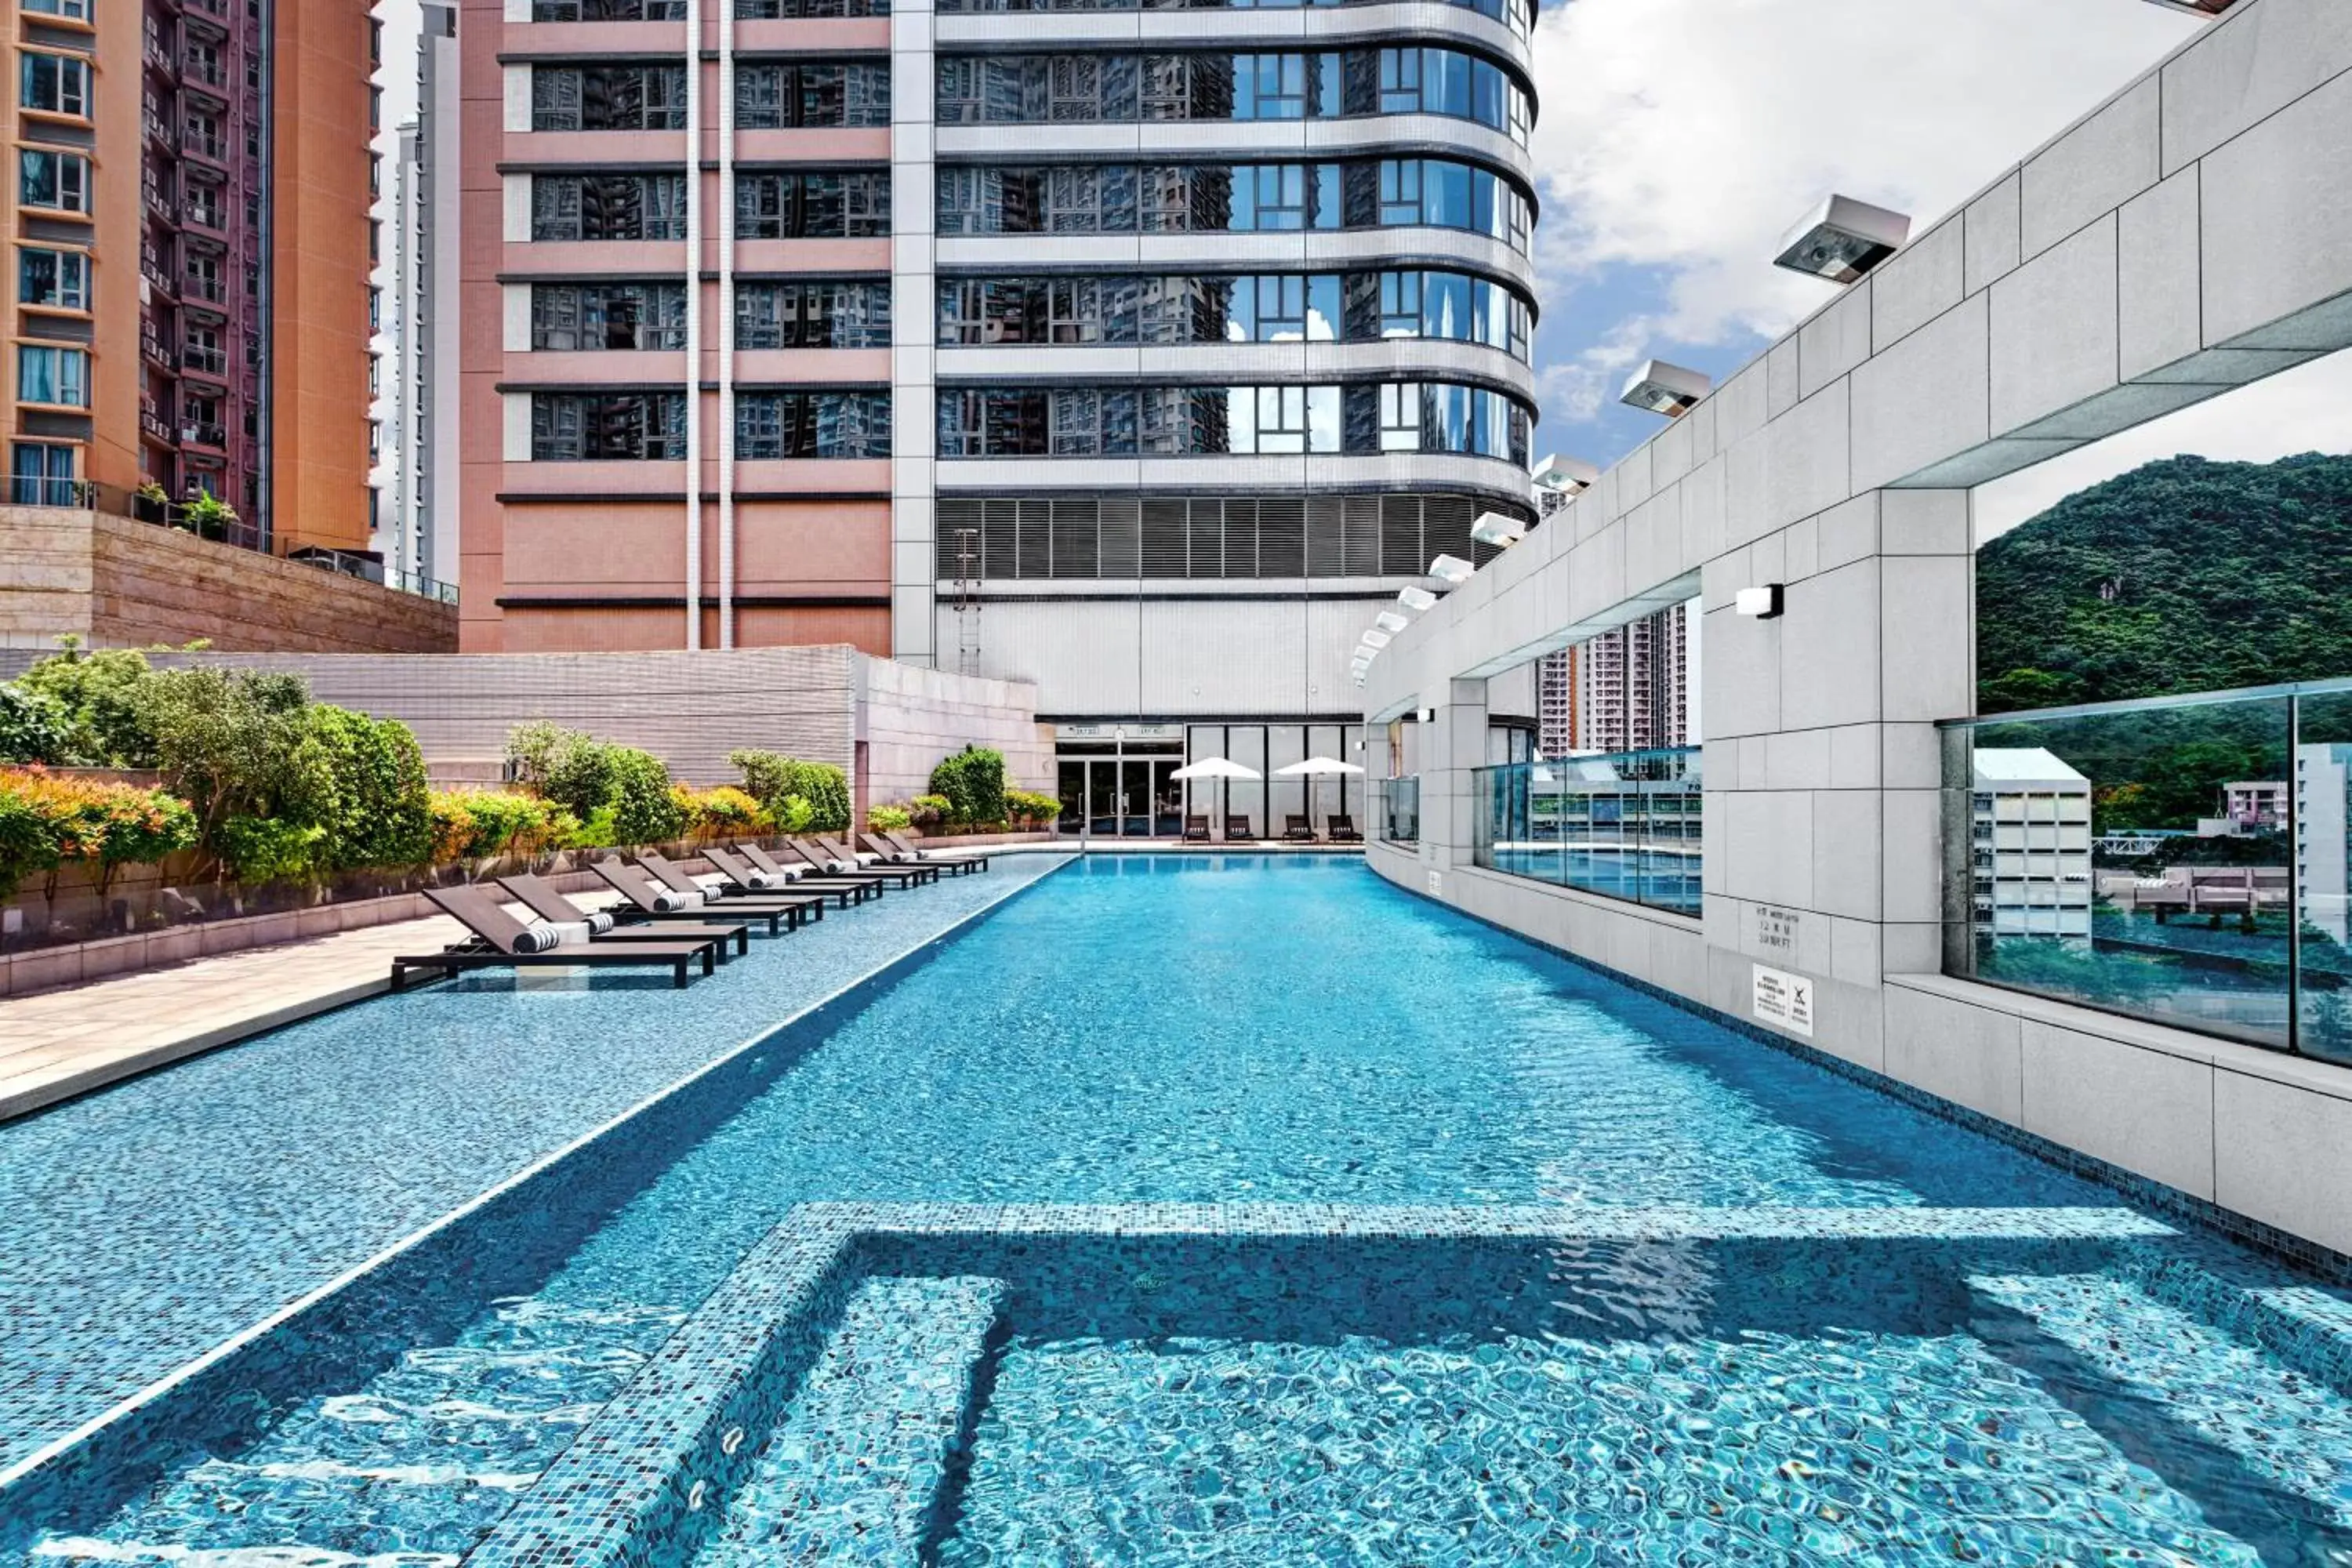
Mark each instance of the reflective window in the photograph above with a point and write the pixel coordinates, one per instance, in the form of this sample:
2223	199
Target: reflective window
793	424
608	10
1325	307
56	375
775	96
794	10
607	427
55	278
1520	14
813	313
1182	421
569	315
608	98
607	206
57	84
79	10
1014	89
59	180
816	204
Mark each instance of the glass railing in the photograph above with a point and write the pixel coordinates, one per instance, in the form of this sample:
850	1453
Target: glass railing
2181	859
1625	824
1399	810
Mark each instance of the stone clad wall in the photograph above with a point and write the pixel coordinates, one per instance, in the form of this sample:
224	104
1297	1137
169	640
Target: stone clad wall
915	716
116	582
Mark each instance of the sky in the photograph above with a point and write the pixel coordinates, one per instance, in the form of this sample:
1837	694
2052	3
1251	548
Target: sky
1678	140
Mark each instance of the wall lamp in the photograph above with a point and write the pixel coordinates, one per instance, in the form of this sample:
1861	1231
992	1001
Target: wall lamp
1375	639
1842	239
1762	602
1568	476
1499	528
1416	599
1452	570
1389	621
1671	390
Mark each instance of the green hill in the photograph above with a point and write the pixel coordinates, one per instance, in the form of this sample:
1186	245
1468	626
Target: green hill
2183	576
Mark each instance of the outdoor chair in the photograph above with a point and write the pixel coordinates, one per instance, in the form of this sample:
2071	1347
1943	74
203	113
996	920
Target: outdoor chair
909	848
1196	828
961	865
767	886
1297	829
672	875
501	942
838	860
1238	829
649	900
1342	828
542	898
803	878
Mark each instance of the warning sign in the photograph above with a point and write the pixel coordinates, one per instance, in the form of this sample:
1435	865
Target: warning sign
1785	1001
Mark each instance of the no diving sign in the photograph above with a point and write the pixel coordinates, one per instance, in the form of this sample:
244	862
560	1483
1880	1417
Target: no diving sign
1785	1000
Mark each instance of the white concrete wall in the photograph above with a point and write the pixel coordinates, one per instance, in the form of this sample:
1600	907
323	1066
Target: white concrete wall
910	717
2191	234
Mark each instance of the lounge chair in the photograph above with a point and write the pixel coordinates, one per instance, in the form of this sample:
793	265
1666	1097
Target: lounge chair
803	878
543	898
748	880
672	875
1297	829
831	860
911	851
871	860
1196	828
1239	831
1340	829
501	942
648	900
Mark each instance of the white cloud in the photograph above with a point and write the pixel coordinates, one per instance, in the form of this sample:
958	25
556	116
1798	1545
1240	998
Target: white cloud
1688	134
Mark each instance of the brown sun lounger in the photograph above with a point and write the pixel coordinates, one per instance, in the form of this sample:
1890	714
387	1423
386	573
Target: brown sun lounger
814	881
821	859
749	879
894	848
1196	828
841	849
543	898
501	942
1297	829
672	875
1239	831
1342	829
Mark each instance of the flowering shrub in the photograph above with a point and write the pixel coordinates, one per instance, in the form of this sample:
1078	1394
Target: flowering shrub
888	818
45	821
1027	805
722	813
478	825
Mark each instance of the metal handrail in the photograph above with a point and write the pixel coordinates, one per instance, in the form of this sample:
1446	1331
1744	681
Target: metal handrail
2327	688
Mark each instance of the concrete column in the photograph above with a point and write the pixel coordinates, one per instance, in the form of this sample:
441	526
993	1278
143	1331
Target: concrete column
1453	744
1821	765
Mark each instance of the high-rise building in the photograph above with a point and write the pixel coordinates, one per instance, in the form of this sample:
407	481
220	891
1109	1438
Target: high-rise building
1180	343
417	533
1627	690
2323	838
190	232
2030	848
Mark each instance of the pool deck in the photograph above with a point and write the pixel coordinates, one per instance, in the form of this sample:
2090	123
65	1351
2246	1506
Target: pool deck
144	1225
54	1045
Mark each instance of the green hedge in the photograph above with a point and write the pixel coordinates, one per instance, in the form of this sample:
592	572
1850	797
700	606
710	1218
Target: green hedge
773	779
644	810
378	812
972	781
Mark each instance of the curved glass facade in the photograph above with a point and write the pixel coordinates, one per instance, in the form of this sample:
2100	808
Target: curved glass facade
1244	307
1232	198
1358	419
1519	13
1331	84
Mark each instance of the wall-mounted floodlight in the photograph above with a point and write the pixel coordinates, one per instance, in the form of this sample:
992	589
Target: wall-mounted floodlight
2196	7
1499	528
1416	599
1566	475
1842	239
1374	637
1389	621
1671	390
1452	570
1763	603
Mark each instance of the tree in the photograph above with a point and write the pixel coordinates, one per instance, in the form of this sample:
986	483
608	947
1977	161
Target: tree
236	743
96	699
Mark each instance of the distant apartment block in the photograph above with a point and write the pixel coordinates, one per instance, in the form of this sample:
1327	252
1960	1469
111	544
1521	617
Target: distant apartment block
416	533
2248	805
2030	843
188	209
1627	690
2323	838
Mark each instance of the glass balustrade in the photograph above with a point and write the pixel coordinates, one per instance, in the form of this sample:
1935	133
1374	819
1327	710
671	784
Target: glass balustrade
1624	824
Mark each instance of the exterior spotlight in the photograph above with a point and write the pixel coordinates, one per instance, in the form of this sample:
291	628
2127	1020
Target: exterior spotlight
1762	602
1671	390
1499	528
1375	639
1452	570
1416	599
2196	7
1389	621
1843	238
1567	475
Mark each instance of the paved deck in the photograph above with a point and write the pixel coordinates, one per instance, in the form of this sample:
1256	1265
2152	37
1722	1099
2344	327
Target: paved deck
58	1044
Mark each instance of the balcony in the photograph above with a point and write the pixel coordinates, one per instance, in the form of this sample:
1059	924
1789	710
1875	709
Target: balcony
204	436
206	215
205	360
1623	824
198	286
211	148
210	7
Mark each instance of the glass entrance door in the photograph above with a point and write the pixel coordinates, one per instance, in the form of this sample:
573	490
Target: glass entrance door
1104	806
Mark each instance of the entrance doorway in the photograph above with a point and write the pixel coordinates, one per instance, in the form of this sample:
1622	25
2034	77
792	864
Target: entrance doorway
1122	791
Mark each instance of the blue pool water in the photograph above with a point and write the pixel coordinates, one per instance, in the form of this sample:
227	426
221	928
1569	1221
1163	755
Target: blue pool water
1641	1291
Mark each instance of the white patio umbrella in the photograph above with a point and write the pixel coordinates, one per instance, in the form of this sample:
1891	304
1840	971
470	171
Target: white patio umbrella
1316	768
1217	768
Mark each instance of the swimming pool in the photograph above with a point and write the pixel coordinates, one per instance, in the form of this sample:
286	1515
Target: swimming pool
1223	1209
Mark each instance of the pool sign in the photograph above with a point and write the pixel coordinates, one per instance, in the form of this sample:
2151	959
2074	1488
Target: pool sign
1775	929
1785	1001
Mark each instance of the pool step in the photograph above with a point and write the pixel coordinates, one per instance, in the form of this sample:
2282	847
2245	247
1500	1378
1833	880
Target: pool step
420	1460
852	1471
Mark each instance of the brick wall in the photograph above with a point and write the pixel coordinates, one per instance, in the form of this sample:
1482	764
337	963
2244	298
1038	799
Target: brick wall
117	582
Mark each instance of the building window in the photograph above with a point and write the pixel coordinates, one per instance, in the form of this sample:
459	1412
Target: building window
817	313
40	475
53	375
608	206
608	10
58	278
794	10
565	317
773	97
58	181
607	427
56	84
1188	421
608	98
814	205
73	10
771	425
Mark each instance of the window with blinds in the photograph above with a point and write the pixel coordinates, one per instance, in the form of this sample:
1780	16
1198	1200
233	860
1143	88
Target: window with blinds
1199	538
